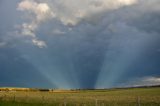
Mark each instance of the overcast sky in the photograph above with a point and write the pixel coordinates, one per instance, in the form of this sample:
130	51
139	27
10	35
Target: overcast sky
79	43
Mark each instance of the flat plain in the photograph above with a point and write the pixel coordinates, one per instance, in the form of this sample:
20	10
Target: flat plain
109	97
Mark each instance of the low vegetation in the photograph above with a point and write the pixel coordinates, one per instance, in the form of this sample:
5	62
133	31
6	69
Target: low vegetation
110	97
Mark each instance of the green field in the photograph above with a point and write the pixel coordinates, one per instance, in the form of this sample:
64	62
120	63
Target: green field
112	97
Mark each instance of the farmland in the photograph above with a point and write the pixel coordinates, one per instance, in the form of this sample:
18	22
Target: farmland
110	97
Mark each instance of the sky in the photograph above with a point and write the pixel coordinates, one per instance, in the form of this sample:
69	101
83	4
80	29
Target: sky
72	44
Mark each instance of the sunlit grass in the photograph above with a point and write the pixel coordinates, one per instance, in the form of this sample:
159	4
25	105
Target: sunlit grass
113	97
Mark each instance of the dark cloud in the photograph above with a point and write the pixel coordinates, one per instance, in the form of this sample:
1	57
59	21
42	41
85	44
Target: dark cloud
103	49
16	71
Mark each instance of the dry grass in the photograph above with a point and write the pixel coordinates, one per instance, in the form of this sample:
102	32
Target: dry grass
117	97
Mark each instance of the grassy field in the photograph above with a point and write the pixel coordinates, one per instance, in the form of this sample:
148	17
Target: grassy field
113	97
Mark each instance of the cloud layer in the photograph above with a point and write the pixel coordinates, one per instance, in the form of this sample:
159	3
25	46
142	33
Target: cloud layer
82	43
36	14
145	81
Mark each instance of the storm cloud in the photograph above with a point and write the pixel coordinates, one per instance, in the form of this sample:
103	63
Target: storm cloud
79	44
